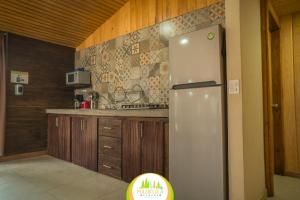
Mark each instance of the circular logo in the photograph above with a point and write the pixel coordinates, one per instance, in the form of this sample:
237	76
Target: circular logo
150	187
211	35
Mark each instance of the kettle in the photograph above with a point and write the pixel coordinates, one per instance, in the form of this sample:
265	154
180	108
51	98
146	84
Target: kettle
85	105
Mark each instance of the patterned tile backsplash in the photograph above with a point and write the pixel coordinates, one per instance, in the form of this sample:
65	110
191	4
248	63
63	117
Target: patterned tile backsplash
134	68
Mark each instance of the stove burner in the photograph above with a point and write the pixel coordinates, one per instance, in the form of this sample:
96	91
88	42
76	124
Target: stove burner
143	106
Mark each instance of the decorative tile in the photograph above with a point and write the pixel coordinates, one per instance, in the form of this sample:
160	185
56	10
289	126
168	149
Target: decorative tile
144	59
153	83
135	60
154	96
134	37
135	48
134	68
135	73
217	11
145	71
144	46
154	69
154	57
154	31
164	96
164	82
103	88
164	68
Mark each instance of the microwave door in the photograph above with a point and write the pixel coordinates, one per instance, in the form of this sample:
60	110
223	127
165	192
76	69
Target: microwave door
71	78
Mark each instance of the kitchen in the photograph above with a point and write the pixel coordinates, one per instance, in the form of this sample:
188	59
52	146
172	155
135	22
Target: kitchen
152	88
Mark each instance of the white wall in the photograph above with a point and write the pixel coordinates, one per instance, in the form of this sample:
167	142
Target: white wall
246	142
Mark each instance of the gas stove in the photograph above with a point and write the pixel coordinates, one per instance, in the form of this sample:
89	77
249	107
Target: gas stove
143	106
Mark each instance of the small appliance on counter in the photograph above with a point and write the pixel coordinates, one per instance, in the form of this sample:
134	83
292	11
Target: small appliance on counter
78	77
94	96
85	105
77	101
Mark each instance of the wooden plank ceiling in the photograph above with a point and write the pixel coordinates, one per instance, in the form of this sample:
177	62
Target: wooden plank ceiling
64	22
285	7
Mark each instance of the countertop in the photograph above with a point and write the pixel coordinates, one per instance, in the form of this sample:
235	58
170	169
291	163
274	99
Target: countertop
112	113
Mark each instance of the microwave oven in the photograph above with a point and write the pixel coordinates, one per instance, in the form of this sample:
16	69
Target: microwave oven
78	78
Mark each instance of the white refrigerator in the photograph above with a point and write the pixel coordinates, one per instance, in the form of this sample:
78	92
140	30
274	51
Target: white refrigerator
197	116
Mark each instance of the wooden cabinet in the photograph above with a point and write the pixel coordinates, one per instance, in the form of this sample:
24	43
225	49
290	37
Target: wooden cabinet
143	147
59	137
84	142
122	148
109	145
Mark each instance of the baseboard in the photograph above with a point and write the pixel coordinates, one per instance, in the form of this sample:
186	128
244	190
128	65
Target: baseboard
292	174
22	156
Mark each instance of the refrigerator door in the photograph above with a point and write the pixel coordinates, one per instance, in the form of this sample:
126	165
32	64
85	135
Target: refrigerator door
197	143
196	57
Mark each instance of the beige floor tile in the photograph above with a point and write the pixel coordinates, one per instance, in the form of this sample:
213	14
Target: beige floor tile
47	178
286	188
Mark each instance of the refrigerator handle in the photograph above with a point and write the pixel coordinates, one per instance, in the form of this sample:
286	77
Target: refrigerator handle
195	85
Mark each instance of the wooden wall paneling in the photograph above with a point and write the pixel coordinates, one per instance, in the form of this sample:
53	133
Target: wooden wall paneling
2	91
296	42
288	94
46	63
137	14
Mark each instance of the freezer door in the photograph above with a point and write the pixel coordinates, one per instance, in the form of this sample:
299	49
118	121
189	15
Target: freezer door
197	145
196	57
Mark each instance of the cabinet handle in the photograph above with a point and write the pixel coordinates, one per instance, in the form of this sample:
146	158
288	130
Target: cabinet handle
106	166
107	147
56	122
141	129
84	124
80	125
107	128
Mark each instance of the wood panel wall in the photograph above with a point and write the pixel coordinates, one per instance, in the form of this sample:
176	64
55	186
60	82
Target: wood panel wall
26	122
290	75
137	14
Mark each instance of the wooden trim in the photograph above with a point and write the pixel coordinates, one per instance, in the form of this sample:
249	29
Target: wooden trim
273	13
268	169
2	90
268	13
22	156
292	174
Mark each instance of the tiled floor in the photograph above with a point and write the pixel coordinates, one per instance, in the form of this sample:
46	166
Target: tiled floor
286	188
47	178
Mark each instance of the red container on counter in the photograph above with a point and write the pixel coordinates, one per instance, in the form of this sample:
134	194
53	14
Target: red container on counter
85	105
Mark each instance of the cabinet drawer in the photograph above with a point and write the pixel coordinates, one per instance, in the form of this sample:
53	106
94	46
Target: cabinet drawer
110	127
110	166
110	146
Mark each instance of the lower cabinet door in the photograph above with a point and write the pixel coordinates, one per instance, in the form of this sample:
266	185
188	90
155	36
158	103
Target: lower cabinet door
131	149
153	147
53	135
84	142
59	137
